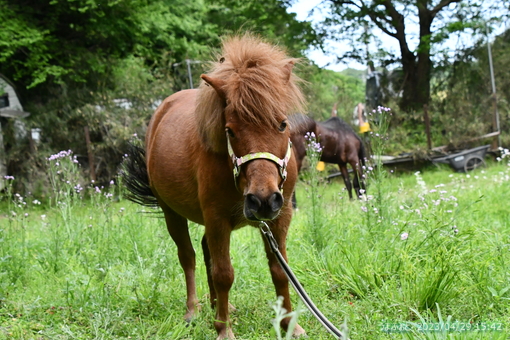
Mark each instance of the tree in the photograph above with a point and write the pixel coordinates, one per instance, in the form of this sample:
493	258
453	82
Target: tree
436	19
266	17
64	42
50	42
104	64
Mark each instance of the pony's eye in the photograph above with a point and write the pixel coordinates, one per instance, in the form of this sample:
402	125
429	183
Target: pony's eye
229	132
283	126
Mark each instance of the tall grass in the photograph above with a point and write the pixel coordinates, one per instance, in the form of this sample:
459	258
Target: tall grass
429	247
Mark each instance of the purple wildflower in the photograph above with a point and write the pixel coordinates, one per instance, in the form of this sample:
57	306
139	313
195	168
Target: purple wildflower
61	154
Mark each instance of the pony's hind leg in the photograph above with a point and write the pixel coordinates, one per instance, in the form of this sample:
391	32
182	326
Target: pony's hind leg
178	228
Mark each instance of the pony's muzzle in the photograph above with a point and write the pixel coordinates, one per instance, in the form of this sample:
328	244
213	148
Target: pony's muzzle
257	208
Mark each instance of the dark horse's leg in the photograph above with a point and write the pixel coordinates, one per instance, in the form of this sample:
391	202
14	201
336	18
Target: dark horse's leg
358	179
280	281
178	228
347	180
220	272
294	201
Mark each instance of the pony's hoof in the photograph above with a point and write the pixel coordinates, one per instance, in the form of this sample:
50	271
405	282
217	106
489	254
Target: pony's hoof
299	332
190	315
228	335
188	320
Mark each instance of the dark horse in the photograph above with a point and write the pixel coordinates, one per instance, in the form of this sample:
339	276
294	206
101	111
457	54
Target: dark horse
340	145
220	156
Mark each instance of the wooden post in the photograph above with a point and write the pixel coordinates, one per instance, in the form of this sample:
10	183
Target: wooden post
334	111
495	122
496	142
3	166
31	144
427	126
90	154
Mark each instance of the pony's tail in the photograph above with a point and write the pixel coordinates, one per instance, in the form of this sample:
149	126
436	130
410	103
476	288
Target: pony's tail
136	179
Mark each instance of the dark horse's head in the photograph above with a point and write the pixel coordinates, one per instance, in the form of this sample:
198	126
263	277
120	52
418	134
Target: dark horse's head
252	89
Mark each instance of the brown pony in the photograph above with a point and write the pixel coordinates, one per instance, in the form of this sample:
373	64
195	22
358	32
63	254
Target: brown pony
220	156
340	145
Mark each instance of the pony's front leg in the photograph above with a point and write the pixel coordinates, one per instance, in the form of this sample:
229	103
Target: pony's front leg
222	275
280	280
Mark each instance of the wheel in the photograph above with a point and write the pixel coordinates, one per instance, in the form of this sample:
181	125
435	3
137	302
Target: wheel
474	162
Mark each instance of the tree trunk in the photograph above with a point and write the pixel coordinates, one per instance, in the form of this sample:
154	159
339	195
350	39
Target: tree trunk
417	68
409	86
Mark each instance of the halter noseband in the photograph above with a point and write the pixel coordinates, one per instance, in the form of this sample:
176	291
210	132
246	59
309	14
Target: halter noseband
238	161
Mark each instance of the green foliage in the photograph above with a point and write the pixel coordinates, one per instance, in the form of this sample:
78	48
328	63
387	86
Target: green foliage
76	63
95	35
266	17
113	117
24	46
315	191
463	105
326	88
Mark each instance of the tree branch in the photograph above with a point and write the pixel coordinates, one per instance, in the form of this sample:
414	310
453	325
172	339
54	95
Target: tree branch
376	20
345	2
397	21
376	17
441	5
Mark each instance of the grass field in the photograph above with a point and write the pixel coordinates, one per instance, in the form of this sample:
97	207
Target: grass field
427	256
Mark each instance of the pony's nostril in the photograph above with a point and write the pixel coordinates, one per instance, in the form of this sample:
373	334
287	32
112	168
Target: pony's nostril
253	203
262	209
276	201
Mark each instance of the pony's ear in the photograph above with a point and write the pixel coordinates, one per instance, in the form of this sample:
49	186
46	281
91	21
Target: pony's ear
287	70
217	84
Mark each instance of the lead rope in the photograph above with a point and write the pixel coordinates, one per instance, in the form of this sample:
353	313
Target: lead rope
295	283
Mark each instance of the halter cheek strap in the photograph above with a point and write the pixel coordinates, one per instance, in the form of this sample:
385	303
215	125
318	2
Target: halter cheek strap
238	161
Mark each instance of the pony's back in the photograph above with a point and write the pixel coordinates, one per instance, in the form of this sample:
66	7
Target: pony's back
338	124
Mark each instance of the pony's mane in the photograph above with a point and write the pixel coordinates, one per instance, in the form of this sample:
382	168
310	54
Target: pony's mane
257	87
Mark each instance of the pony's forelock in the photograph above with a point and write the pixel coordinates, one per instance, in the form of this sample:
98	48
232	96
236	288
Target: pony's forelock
257	86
